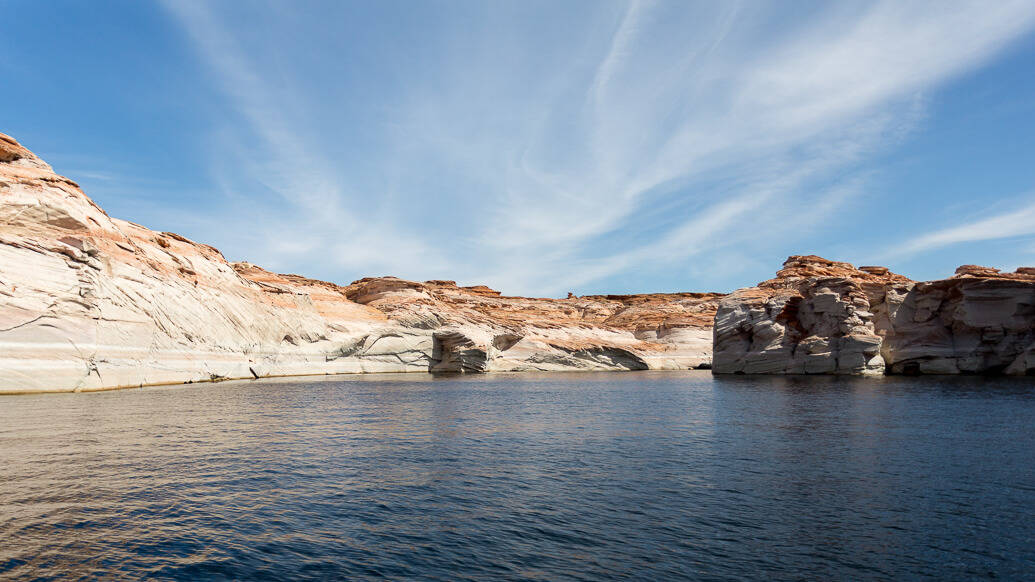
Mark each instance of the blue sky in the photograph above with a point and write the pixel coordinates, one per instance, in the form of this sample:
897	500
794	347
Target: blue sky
542	147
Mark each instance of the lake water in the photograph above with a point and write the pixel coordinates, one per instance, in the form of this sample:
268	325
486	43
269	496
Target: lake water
638	475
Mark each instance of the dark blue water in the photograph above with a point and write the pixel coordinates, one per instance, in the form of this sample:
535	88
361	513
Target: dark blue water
644	476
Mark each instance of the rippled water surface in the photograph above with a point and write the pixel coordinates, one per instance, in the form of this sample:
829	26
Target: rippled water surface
554	477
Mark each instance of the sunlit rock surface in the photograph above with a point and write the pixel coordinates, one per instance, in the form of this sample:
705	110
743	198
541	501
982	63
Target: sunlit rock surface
825	317
979	321
91	302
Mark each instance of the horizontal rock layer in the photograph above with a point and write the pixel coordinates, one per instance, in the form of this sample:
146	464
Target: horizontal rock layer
824	317
91	302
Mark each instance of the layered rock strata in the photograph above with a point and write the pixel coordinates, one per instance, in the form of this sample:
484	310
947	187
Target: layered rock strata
979	321
826	317
92	302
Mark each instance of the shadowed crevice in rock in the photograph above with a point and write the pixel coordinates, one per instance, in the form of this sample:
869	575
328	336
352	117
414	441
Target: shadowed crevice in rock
453	352
825	317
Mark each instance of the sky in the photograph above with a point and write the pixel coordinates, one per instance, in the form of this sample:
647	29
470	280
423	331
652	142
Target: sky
541	147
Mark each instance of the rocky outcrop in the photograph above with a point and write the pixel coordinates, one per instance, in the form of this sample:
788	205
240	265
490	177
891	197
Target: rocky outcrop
980	321
92	302
826	317
815	317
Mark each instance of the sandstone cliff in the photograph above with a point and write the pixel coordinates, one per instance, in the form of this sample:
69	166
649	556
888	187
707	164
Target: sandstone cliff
824	317
90	302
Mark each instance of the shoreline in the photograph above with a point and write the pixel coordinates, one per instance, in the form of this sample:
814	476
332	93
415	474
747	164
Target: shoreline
342	374
567	371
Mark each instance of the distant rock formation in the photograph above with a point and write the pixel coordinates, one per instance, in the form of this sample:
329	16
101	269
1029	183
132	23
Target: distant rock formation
90	302
825	317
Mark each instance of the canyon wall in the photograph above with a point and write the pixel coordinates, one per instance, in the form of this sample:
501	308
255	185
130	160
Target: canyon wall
826	317
91	302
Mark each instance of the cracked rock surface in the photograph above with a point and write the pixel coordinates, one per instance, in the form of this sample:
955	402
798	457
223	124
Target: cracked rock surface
826	317
90	302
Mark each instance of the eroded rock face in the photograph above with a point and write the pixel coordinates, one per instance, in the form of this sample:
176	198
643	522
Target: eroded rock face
824	317
969	324
455	352
91	302
816	317
479	329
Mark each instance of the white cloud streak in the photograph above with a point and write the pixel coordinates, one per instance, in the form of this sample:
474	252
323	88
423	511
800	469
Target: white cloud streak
1018	222
662	132
279	157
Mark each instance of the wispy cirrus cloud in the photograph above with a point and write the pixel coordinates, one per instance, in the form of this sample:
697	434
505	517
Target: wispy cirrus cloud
542	148
1017	222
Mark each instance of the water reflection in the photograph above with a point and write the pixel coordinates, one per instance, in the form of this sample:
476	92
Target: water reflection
565	476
